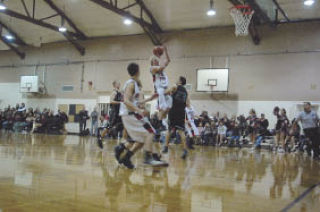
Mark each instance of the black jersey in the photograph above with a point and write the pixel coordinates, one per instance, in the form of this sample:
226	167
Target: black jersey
116	107
177	112
179	99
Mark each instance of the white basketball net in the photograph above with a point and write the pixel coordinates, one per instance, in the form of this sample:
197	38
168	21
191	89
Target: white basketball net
242	20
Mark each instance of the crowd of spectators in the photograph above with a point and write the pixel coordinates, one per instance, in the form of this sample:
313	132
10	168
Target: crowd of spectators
20	118
213	130
285	136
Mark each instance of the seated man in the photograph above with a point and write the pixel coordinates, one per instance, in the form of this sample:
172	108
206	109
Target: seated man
235	134
19	121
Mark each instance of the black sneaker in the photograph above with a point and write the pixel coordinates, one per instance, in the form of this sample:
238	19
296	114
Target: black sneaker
165	149
117	151
156	157
184	155
127	163
126	160
100	144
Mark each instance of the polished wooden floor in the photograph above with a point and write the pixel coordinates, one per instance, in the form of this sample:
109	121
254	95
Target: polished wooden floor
69	173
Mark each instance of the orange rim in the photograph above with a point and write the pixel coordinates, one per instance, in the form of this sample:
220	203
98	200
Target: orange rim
247	9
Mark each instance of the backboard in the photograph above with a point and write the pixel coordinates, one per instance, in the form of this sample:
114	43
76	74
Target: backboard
268	7
213	80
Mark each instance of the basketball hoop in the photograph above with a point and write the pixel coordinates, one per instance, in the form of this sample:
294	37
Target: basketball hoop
242	15
211	88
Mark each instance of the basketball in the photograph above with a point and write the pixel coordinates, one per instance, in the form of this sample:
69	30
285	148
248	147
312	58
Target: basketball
158	51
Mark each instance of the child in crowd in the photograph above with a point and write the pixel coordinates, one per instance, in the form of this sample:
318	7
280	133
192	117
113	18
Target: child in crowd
222	131
207	134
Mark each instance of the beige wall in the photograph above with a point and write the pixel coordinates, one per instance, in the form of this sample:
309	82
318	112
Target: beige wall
283	67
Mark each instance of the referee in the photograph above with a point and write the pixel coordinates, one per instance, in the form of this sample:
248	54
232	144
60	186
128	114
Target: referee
309	120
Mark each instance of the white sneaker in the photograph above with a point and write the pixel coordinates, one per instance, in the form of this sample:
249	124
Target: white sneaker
155	163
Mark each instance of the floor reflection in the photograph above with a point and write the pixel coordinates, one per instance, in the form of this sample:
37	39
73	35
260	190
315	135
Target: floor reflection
38	172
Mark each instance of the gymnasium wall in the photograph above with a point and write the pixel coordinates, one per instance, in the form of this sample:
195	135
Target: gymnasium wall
282	70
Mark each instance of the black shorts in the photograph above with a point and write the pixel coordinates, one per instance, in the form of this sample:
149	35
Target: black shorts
115	120
176	122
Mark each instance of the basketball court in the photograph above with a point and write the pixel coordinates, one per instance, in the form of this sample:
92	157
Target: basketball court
60	66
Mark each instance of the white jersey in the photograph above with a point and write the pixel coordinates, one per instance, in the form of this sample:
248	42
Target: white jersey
135	98
190	125
160	79
190	113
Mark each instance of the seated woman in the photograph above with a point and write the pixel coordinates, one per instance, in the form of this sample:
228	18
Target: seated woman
207	134
19	121
29	119
293	136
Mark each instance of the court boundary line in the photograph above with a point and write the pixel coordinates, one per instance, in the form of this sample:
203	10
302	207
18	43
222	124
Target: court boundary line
300	197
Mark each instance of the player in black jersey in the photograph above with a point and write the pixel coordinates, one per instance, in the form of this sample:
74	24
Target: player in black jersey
177	114
115	119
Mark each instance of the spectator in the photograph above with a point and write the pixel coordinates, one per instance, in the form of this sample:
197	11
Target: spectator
293	136
207	134
264	123
216	117
310	120
29	119
242	124
284	122
94	122
64	119
19	121
83	116
22	108
234	133
204	118
252	127
222	131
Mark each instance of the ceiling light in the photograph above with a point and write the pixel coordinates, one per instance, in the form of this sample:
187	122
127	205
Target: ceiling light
127	21
308	2
9	37
2	6
211	12
62	29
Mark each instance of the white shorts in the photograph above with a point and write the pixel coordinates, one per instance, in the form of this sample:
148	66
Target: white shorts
164	101
135	128
192	130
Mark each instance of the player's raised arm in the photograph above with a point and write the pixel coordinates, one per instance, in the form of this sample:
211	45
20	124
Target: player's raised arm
156	66
167	60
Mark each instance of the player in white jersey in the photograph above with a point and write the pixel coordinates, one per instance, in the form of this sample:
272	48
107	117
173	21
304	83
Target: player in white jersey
191	128
161	81
190	125
135	121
